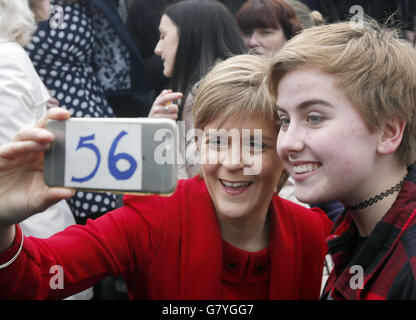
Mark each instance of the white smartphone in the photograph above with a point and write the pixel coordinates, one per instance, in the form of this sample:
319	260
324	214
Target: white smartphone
121	155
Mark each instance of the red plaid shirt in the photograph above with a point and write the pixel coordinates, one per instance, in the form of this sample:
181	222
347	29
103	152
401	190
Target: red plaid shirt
386	262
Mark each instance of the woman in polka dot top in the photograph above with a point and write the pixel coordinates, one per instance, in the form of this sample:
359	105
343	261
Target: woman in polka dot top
80	56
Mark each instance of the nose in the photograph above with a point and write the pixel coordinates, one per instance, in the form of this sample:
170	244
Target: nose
289	141
234	158
254	40
158	48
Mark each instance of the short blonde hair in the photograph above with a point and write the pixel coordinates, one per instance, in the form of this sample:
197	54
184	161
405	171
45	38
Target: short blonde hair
17	21
236	86
374	67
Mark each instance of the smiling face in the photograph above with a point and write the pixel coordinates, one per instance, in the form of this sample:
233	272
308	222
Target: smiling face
238	187
264	40
168	44
324	142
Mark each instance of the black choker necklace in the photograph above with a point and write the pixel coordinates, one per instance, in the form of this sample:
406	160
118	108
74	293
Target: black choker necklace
378	197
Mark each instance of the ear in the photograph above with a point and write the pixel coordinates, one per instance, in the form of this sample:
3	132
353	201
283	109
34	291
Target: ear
391	137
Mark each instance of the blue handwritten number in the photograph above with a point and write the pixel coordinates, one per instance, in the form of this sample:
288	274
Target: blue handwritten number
113	159
82	144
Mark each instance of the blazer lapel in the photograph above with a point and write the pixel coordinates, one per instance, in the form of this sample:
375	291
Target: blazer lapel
284	256
201	262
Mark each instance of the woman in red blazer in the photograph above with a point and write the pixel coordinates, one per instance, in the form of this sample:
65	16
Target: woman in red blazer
222	235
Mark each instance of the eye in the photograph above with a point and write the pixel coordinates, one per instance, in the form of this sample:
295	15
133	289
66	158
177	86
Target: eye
257	146
315	119
283	122
265	32
253	145
217	142
247	33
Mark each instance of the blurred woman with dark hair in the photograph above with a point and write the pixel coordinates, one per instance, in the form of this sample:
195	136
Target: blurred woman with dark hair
266	25
194	36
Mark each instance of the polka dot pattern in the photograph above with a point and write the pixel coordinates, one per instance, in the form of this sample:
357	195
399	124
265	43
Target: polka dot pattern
64	61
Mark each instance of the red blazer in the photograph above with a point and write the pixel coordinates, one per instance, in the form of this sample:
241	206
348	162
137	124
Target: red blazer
166	248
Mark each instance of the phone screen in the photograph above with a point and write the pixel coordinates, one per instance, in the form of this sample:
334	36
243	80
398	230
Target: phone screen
107	155
131	155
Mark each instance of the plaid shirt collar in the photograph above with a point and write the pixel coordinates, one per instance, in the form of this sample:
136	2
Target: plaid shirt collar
376	248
